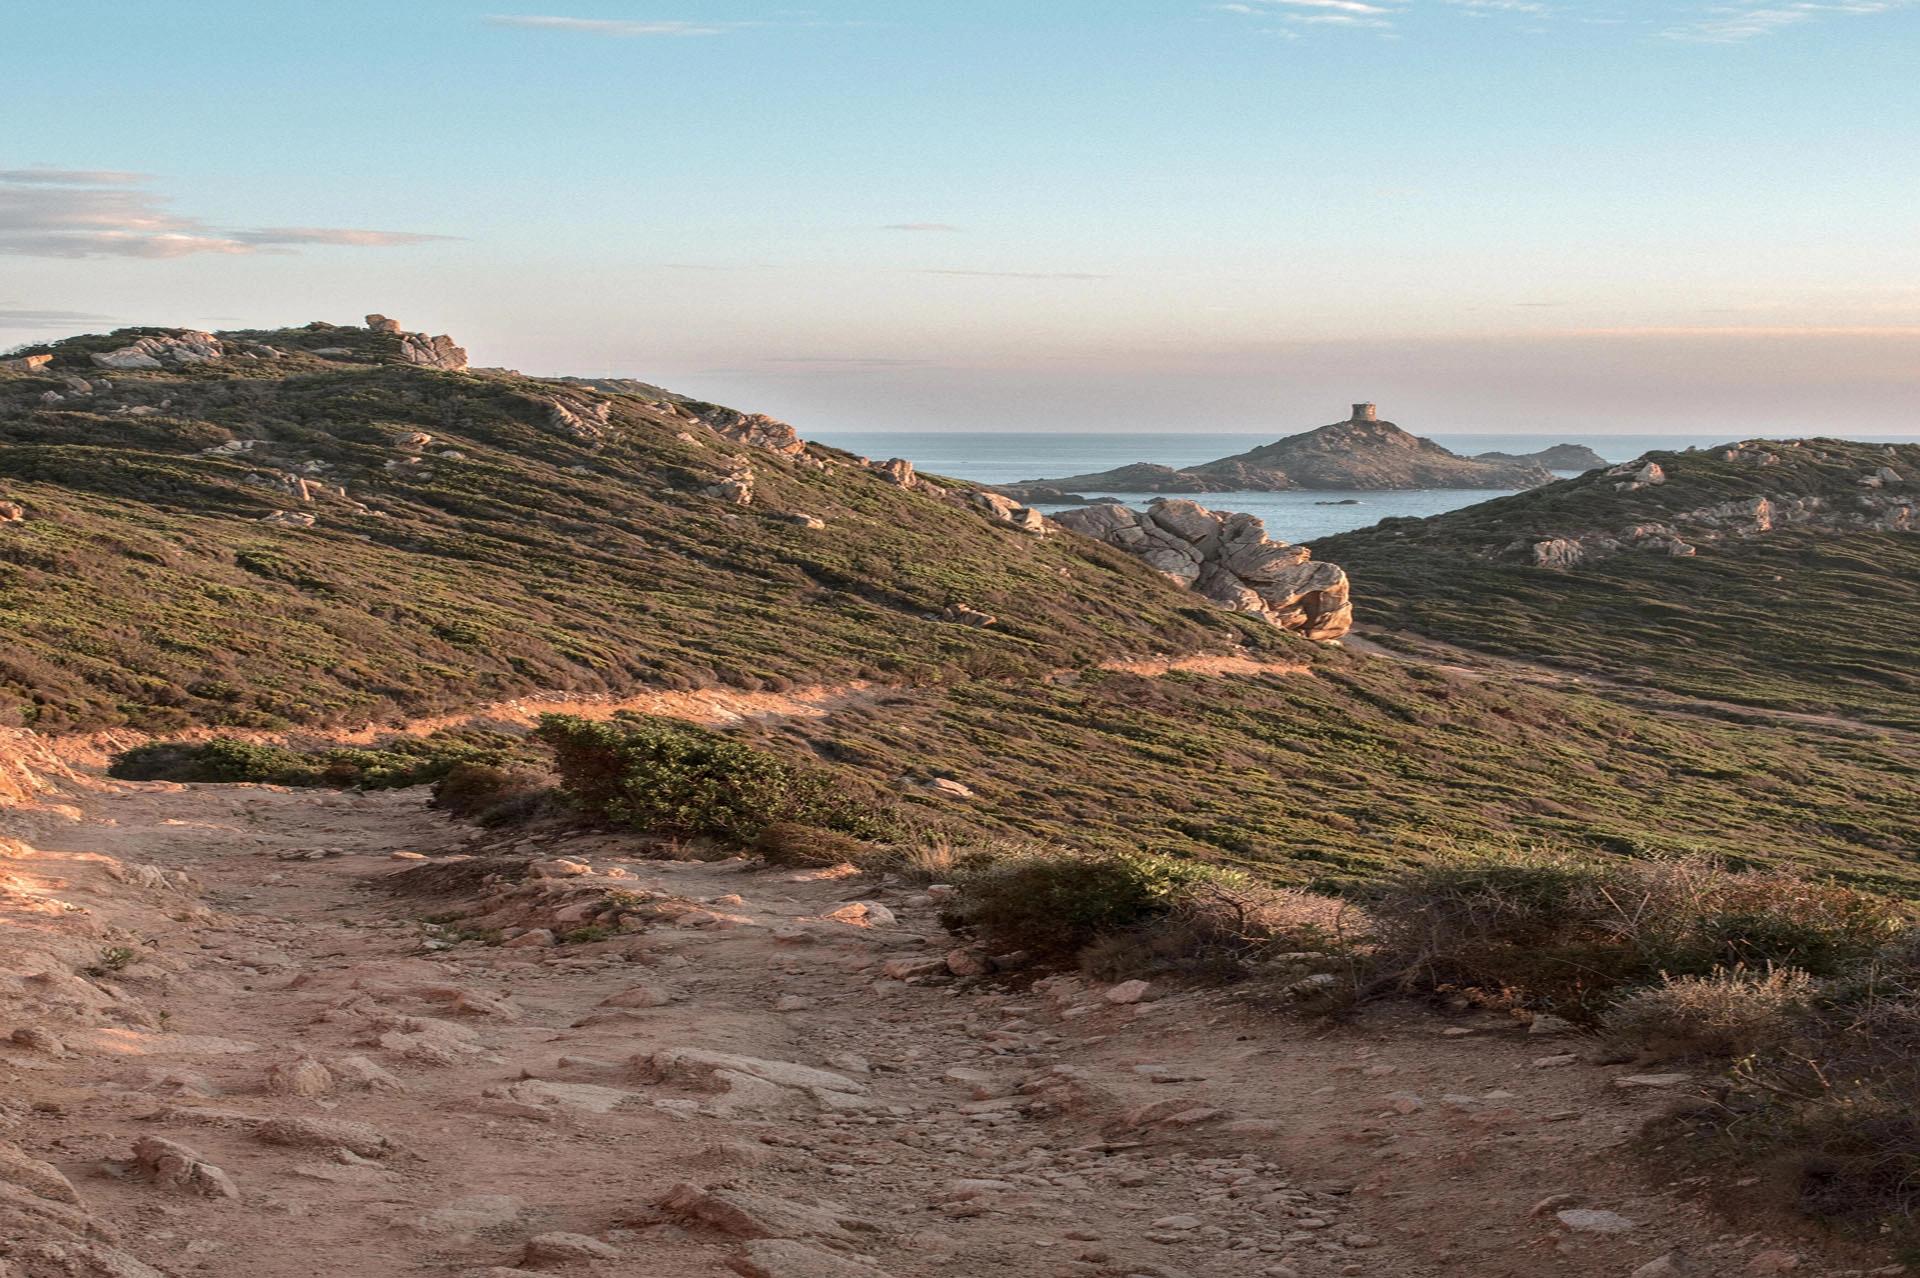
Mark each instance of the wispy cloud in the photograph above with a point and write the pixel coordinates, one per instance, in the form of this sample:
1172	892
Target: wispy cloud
294	235
1483	8
14	317
919	226
1735	24
844	361
1020	275
46	176
82	213
616	27
1360	14
1354	7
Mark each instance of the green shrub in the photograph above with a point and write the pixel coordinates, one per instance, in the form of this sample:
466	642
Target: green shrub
224	760
665	777
1054	903
393	766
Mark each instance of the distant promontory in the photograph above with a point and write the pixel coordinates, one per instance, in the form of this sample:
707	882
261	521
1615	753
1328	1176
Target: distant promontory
1361	452
1560	457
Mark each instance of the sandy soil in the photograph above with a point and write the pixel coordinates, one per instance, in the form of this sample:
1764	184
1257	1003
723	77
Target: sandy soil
228	968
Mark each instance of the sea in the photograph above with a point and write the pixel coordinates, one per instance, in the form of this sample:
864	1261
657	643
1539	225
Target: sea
994	457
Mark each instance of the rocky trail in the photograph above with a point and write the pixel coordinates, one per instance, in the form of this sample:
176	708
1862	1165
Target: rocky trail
241	1045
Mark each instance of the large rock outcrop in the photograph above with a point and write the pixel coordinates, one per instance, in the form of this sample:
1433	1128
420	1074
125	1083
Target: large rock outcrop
419	349
1228	558
173	348
433	352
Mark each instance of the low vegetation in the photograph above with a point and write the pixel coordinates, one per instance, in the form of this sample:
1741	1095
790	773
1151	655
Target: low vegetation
1573	934
504	555
1054	903
406	761
1795	619
1821	1092
660	776
1335	779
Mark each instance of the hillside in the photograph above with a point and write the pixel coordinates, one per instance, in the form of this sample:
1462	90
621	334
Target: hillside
1362	452
307	527
848	819
1781	574
334	524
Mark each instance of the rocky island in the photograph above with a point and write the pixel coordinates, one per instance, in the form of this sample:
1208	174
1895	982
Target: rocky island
1361	452
1560	457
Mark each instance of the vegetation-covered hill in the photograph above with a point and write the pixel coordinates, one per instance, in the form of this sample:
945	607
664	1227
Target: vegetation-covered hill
1365	764
308	529
1784	575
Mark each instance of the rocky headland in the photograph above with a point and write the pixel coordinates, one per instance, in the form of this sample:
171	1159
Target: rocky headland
1362	452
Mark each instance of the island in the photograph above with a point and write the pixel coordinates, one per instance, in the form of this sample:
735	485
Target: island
1362	452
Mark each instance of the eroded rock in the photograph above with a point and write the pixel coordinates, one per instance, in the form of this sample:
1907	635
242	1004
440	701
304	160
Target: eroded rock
1229	559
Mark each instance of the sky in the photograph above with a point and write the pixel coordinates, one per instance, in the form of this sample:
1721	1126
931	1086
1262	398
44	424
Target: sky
1593	216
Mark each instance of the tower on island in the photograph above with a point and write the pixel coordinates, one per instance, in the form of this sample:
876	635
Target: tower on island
1365	413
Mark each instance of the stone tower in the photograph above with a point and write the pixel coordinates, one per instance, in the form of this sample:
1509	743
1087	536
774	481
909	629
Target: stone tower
1365	413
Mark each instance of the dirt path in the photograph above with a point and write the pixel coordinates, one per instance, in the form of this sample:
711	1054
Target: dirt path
774	1073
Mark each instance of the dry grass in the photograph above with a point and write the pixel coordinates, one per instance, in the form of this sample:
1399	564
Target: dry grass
1727	1014
1221	932
1549	929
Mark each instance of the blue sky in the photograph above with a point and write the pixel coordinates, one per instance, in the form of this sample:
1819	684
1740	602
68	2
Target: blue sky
1083	214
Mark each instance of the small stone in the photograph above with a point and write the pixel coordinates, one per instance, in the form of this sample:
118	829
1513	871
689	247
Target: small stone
966	963
562	1249
302	1076
168	1163
785	1258
1178	1222
1555	1062
1128	992
1671	1265
1773	1262
1552	1202
1589	1221
638	996
1633	1081
34	1038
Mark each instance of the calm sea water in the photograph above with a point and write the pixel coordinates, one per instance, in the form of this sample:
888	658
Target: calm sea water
1004	458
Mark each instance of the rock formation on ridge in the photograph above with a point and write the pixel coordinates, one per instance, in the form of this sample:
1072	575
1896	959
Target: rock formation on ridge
1228	558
